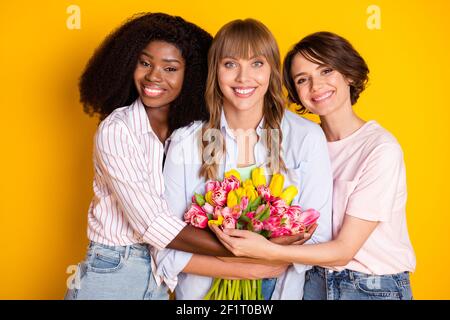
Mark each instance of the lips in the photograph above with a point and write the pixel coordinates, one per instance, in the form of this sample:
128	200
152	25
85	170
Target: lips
243	92
322	97
152	91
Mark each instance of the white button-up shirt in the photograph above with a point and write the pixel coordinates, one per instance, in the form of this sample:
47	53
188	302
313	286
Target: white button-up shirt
305	153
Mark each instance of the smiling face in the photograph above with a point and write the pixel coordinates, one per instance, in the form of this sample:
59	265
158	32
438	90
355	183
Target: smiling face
321	89
243	82
159	74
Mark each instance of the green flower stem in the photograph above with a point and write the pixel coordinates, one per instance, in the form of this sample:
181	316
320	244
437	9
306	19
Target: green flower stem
260	297
231	287
237	290
213	289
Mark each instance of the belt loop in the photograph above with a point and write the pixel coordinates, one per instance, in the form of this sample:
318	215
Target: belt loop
127	252
351	275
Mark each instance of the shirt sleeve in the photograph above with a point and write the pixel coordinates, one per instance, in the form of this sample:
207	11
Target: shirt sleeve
374	195
129	179
316	187
170	262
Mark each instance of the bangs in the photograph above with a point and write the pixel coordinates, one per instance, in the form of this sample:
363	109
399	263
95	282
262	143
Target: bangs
312	56
246	40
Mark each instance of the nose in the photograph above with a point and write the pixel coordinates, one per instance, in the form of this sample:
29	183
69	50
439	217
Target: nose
243	74
153	75
316	83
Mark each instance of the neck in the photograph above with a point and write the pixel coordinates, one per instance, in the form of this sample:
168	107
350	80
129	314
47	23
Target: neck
245	120
341	123
159	121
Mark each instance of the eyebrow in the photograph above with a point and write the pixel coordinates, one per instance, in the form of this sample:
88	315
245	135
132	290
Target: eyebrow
318	67
237	58
145	53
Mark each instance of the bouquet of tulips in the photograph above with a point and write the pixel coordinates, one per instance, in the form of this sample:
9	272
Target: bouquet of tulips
252	205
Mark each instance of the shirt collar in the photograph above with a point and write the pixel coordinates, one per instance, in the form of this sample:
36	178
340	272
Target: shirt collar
139	118
224	125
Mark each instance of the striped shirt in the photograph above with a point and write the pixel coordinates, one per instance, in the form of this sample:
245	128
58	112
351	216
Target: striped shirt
128	206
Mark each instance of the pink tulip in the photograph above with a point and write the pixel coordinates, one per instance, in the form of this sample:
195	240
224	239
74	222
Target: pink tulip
244	203
236	212
250	214
295	212
193	209
280	232
309	217
297	228
260	209
208	208
199	220
264	192
217	212
211	186
219	197
257	225
229	222
272	223
278	210
230	183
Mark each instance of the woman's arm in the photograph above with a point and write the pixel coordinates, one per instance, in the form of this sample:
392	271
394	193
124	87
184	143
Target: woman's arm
338	252
213	267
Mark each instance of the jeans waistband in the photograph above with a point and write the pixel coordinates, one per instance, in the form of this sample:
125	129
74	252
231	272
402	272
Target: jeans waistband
137	249
353	274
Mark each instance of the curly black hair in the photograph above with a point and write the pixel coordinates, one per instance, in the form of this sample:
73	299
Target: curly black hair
107	81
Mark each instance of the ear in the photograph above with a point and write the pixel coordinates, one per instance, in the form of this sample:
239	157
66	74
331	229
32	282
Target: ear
349	81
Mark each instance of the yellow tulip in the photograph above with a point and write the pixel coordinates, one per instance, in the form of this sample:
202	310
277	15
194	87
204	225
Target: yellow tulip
289	194
208	199
248	183
232	199
217	222
240	192
258	177
276	184
233	172
251	193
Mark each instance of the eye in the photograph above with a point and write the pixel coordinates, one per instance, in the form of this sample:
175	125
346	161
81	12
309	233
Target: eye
144	63
258	64
327	71
301	81
229	64
171	69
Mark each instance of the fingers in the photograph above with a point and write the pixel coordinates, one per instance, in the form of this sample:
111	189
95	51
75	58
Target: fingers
311	229
236	233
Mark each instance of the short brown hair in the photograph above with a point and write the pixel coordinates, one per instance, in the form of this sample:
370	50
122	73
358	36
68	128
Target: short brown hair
333	50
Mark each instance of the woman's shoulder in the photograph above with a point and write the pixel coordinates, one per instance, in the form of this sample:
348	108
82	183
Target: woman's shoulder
297	127
380	142
187	133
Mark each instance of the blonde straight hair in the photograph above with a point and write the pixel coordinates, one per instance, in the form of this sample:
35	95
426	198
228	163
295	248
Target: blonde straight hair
244	39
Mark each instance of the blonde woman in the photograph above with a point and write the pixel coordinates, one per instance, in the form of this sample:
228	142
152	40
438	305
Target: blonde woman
248	127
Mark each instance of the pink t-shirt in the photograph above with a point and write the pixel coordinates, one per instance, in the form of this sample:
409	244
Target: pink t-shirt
370	184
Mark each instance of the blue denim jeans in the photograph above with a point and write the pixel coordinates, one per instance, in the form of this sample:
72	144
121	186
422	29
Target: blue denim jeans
324	284
116	273
267	287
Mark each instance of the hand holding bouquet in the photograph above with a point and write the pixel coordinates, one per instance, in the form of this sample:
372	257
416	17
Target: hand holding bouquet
251	205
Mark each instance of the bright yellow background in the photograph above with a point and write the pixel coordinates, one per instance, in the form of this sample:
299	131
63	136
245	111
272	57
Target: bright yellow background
46	167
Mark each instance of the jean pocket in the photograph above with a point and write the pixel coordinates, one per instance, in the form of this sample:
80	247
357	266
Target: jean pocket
384	287
105	261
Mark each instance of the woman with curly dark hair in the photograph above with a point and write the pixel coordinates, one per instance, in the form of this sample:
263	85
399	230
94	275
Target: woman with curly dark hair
145	81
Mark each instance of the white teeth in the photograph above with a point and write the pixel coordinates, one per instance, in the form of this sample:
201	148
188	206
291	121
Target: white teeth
244	91
323	97
152	90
